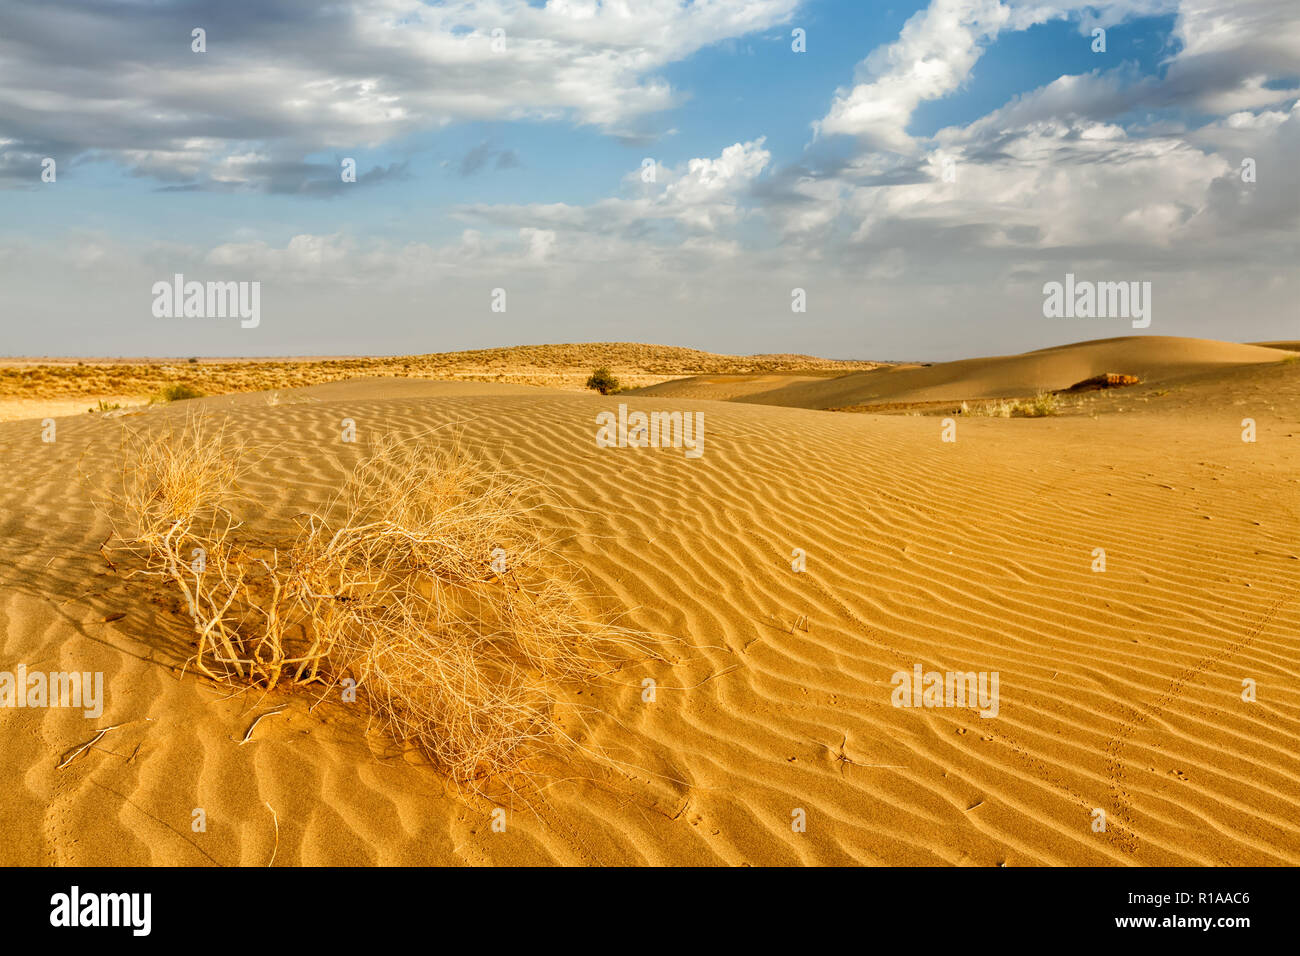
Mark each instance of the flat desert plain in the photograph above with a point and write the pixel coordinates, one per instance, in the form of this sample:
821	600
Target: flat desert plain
1159	696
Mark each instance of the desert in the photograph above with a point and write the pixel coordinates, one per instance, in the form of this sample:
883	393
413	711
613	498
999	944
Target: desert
781	579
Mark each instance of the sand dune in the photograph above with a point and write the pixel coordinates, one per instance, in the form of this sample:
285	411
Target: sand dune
1120	690
1154	359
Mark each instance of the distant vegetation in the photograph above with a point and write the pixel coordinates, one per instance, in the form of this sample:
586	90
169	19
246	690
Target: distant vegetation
553	366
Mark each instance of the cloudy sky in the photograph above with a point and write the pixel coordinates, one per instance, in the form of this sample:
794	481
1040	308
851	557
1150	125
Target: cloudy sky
645	170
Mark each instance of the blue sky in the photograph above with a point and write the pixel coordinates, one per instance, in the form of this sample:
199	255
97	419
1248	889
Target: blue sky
518	168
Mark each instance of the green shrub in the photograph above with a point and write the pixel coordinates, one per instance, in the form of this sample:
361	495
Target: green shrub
603	381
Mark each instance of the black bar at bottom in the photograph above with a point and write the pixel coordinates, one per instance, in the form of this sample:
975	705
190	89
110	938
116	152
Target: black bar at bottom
364	906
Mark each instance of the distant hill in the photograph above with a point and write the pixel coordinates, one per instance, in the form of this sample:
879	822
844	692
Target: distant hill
557	366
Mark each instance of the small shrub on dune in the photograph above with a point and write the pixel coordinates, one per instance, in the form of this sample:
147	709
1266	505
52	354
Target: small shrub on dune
602	380
176	392
426	579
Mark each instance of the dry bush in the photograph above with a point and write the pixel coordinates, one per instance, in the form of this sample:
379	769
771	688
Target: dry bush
1105	380
173	510
398	582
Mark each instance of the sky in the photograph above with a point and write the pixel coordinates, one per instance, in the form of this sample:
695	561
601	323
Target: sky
847	178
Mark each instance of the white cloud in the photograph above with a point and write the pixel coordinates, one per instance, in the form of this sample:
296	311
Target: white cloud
701	197
339	77
932	57
1053	168
705	180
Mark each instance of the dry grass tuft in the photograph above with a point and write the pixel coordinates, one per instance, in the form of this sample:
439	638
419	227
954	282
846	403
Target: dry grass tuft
426	580
1040	406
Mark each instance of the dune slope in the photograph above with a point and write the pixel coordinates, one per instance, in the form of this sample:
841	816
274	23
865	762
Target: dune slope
1152	358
